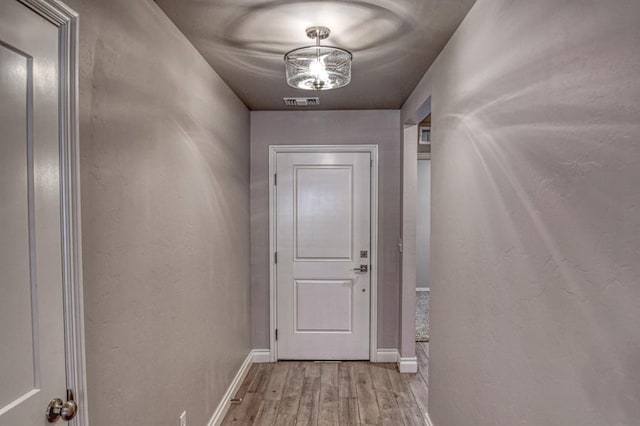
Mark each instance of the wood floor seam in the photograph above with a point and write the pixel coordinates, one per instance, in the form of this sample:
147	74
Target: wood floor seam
291	393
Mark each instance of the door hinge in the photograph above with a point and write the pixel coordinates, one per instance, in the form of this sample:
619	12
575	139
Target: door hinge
371	163
276	334
275	257
275	179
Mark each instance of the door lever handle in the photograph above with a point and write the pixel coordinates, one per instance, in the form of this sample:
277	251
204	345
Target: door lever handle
362	268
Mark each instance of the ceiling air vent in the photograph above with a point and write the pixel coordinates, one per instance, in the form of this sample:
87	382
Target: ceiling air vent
294	102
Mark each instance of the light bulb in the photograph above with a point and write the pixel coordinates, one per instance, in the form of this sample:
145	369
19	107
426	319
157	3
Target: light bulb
319	71
317	67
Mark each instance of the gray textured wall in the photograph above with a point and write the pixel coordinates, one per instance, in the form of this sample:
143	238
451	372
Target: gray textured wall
536	215
165	211
327	128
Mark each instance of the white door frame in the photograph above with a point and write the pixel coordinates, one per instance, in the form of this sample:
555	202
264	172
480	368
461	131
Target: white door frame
273	313
67	22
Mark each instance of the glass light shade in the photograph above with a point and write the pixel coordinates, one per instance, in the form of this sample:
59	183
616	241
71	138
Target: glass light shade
318	67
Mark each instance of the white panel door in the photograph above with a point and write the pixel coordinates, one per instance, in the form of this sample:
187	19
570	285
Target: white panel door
32	348
323	220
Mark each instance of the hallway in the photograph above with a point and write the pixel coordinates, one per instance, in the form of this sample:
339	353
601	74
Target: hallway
332	393
143	201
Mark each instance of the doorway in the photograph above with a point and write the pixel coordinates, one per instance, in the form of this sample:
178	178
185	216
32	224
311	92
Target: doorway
423	233
423	288
323	214
43	349
423	252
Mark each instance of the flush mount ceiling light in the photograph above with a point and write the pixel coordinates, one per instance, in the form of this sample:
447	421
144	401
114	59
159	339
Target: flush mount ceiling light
318	67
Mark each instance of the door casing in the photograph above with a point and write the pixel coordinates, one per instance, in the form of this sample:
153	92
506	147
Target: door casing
273	313
67	22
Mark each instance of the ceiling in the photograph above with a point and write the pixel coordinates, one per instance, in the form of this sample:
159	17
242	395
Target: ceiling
393	43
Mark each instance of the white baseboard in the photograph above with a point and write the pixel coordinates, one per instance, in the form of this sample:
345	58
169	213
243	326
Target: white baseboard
256	356
428	419
382	355
386	355
223	407
261	356
408	365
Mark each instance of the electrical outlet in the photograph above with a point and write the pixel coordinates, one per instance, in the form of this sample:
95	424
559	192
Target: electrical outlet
183	419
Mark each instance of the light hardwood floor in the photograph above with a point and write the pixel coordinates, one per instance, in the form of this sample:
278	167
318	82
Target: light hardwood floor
325	393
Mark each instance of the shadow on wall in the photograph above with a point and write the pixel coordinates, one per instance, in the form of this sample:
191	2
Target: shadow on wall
165	214
211	149
540	147
254	29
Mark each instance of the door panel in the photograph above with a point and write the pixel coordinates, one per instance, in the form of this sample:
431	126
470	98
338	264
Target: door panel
32	370
334	294
322	225
324	200
17	349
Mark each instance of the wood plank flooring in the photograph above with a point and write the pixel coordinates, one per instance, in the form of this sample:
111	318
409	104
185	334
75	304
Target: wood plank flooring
326	393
